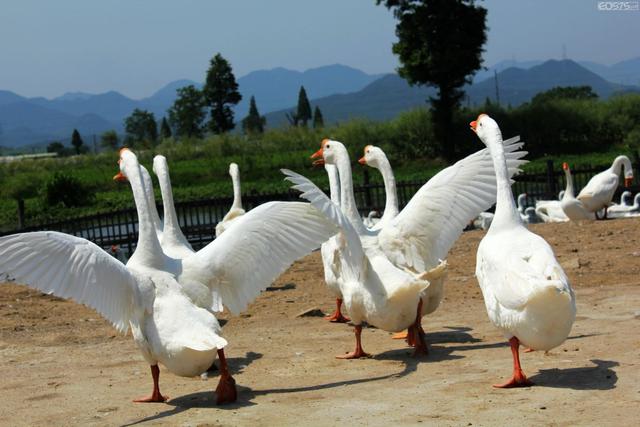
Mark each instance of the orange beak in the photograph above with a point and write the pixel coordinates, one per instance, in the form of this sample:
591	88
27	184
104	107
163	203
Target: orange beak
473	125
565	166
120	177
628	182
362	160
318	155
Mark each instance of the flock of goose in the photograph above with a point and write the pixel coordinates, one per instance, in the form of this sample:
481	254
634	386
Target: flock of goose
593	202
389	274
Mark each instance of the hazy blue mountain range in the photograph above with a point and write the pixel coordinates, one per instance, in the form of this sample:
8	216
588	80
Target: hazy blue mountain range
341	92
387	96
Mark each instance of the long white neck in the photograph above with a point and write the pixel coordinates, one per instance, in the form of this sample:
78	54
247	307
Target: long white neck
171	228
506	214
347	198
619	163
151	200
521	201
334	183
237	195
568	191
148	251
391	195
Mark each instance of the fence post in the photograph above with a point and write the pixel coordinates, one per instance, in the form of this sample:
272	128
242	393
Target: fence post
552	190
367	190
20	214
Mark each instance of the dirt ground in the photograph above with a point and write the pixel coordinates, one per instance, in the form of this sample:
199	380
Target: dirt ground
62	364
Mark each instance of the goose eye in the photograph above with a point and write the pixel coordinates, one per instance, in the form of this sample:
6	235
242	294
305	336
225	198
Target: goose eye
327	146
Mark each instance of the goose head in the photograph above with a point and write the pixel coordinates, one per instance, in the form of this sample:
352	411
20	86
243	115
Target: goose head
233	169
373	156
160	165
329	152
128	163
487	129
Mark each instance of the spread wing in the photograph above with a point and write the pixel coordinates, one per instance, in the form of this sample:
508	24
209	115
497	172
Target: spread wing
70	267
258	247
434	218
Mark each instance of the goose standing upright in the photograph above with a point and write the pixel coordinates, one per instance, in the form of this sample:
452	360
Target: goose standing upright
236	210
375	157
525	290
330	252
599	191
572	207
173	241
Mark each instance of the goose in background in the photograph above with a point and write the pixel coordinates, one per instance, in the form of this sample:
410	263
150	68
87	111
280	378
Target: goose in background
420	236
599	191
236	210
172	240
626	211
330	252
377	159
572	207
550	211
371	219
526	292
483	221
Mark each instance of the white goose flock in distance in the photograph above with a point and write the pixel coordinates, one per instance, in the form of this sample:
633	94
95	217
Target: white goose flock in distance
148	296
526	292
393	276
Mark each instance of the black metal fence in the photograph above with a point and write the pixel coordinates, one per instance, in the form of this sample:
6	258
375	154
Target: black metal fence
199	218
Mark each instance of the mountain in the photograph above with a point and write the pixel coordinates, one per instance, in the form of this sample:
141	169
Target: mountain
163	99
624	72
8	97
390	95
278	88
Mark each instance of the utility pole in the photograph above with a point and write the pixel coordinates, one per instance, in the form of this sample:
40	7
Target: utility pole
95	147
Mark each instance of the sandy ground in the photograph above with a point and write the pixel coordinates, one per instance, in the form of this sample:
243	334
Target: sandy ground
62	364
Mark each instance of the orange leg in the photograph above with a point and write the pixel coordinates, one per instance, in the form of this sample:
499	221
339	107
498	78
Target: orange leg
518	379
359	352
155	395
404	335
226	391
419	341
337	316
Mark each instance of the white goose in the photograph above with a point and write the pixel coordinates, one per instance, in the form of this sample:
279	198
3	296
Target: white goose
420	236
236	210
375	157
151	201
526	292
172	240
147	296
330	252
626	211
572	207
374	290
599	191
550	211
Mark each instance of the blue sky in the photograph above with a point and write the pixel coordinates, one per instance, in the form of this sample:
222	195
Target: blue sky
49	47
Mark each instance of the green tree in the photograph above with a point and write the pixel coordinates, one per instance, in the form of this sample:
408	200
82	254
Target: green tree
141	126
76	141
318	120
165	129
187	113
439	44
254	122
109	140
56	147
565	92
220	93
303	112
66	190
